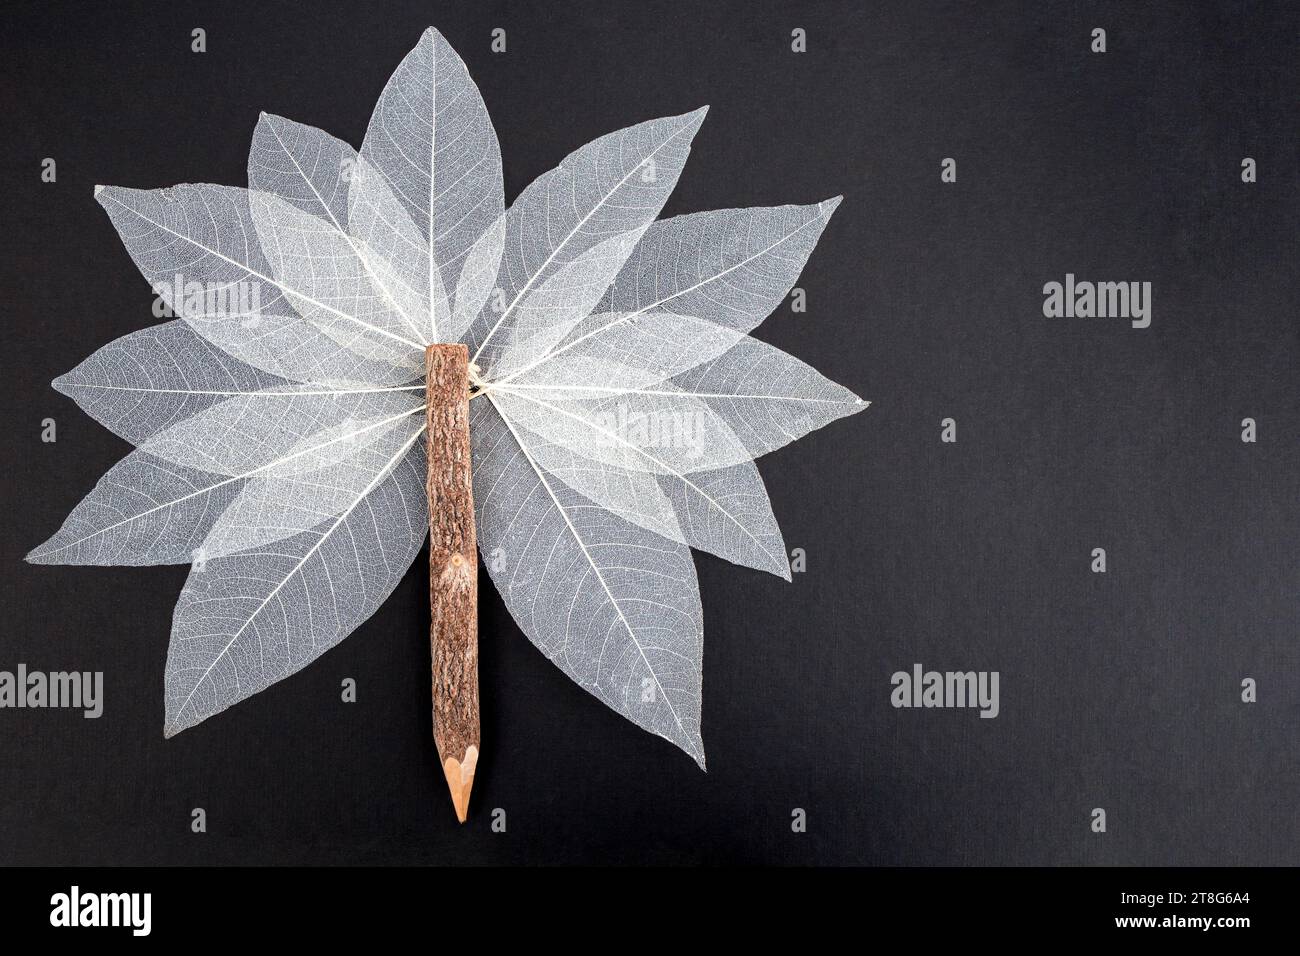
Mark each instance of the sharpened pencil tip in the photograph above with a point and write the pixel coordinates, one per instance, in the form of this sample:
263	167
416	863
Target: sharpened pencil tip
460	780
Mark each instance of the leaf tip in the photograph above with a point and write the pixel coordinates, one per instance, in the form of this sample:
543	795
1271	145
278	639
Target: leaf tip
686	125
433	36
41	554
779	564
98	189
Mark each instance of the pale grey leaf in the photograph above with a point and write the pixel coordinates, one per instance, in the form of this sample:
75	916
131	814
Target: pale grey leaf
740	405
288	346
278	503
719	508
353	296
305	166
728	266
631	493
614	606
609	188
553	308
199	247
151	379
727	512
147	510
143	511
254	430
766	396
625	352
247	620
662	431
478	278
431	140
397	254
323	177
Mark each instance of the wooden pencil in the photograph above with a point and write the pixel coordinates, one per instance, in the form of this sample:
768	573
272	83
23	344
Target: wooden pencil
453	570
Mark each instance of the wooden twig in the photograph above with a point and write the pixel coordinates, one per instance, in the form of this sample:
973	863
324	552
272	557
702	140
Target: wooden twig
453	570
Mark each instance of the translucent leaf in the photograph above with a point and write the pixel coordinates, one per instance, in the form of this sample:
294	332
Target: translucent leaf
288	346
614	606
478	278
730	266
632	494
148	380
720	509
550	311
333	285
664	432
398	255
245	621
305	166
766	396
621	354
430	138
250	431
199	247
607	189
727	512
740	405
323	177
143	511
146	510
280	502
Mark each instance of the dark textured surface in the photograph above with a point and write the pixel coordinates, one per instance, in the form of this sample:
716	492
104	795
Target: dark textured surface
1118	691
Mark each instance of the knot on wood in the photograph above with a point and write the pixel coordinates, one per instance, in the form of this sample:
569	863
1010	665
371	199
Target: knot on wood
456	571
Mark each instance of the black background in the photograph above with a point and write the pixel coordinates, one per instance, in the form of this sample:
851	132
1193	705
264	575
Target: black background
1118	690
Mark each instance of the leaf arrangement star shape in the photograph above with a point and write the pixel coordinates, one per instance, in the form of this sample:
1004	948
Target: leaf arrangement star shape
618	401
